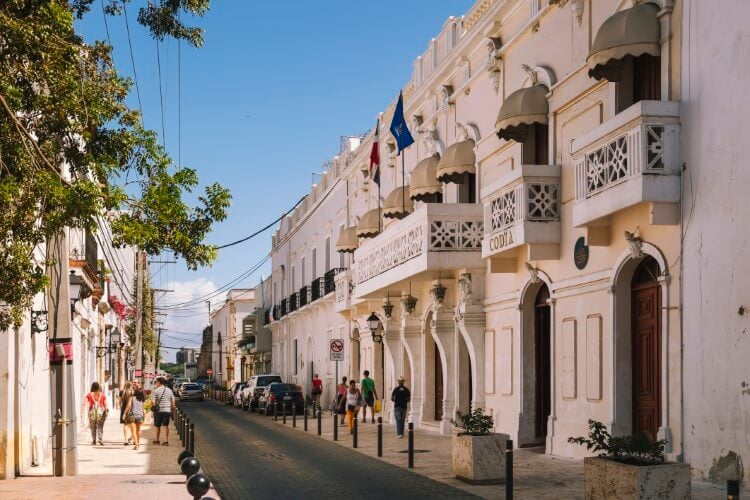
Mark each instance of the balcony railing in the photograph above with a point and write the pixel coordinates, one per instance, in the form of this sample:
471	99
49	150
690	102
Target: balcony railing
284	310
523	208
316	288
293	302
436	236
329	283
267	316
304	297
277	312
343	290
629	159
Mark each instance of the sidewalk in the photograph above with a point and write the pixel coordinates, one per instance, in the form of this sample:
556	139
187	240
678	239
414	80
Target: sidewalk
536	475
112	471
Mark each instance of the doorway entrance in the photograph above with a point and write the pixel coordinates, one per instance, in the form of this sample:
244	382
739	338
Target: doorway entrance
438	385
646	348
542	373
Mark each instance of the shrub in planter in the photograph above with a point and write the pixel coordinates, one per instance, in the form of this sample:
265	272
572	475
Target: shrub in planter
478	454
630	467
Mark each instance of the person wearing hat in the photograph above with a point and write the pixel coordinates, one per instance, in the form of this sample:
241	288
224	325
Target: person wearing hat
400	397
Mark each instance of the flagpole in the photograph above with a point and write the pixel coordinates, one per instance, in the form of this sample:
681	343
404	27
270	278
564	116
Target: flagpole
403	184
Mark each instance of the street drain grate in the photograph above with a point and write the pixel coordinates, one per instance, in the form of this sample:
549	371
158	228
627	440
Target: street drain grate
415	451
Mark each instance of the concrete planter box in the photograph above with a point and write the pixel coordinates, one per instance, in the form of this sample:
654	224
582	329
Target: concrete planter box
479	459
608	479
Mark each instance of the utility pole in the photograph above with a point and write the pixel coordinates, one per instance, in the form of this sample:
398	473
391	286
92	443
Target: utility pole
139	353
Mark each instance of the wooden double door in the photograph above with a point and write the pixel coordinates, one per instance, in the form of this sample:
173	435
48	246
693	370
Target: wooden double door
646	349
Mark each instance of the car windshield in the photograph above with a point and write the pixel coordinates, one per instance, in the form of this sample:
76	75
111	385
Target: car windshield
283	387
191	387
263	381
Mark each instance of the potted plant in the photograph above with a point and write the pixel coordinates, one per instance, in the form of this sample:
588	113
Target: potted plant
630	467
477	453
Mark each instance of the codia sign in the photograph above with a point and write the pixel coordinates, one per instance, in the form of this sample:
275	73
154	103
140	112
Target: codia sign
500	241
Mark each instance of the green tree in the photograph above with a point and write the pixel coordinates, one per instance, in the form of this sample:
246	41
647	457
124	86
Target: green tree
71	149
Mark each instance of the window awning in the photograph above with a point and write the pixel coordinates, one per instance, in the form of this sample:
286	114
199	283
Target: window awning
424	185
457	162
398	204
369	224
347	241
632	32
523	107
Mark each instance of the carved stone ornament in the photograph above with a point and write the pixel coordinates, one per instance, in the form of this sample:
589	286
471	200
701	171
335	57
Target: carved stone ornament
464	296
635	243
444	97
533	274
429	139
492	60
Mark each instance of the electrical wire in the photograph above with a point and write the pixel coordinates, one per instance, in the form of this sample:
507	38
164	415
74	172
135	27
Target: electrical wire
259	231
132	58
161	97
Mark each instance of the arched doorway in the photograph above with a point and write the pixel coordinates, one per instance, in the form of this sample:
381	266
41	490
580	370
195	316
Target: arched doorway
536	366
646	348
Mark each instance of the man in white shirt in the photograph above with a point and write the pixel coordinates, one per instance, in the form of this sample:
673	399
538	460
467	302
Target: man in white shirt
163	400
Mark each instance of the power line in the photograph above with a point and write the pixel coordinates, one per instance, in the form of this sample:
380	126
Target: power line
106	24
132	58
259	231
161	96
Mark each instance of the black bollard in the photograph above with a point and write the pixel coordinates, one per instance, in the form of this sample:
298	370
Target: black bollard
380	436
294	414
509	469
275	411
733	489
305	417
335	427
320	423
283	409
191	438
411	445
354	433
185	431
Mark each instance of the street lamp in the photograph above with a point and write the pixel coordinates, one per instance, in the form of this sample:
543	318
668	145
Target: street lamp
76	284
388	307
372	322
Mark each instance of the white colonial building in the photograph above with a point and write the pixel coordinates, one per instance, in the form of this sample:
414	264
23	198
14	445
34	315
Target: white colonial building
561	243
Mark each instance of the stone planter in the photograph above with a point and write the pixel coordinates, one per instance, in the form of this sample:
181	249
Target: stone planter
608	479
479	459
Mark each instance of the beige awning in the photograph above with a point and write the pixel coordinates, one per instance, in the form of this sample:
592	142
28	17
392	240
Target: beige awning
398	204
424	185
347	241
457	162
631	32
523	107
369	224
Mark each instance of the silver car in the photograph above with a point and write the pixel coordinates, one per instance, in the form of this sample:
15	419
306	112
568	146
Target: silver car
191	392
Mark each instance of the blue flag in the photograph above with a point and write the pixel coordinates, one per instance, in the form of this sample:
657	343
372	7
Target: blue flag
398	126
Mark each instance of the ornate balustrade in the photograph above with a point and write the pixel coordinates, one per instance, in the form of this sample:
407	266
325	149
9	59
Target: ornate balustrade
434	237
630	159
343	283
523	208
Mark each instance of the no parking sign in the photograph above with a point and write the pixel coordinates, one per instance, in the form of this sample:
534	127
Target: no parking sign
337	350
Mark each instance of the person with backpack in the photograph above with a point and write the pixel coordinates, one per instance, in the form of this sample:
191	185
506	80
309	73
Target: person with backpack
370	395
134	416
163	399
97	404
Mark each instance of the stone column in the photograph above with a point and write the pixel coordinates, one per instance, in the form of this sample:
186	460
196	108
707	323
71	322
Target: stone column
411	337
395	353
443	330
471	322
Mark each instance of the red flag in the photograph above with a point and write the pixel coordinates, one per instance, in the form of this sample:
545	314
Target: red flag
375	156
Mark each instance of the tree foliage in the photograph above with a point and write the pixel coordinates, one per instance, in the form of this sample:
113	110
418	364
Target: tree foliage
71	149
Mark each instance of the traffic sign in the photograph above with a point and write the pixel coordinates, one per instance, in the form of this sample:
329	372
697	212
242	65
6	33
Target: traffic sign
210	371
337	350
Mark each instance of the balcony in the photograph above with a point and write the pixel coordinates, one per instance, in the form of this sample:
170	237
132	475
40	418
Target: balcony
343	291
304	296
632	158
266	317
522	209
435	237
329	280
317	289
284	311
293	302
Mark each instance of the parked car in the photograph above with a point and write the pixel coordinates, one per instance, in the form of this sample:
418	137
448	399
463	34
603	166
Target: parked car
191	392
235	391
281	393
177	388
254	389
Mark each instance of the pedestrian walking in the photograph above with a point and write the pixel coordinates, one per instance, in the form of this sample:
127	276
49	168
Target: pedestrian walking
125	395
352	402
370	395
400	397
340	394
317	390
134	416
163	405
97	403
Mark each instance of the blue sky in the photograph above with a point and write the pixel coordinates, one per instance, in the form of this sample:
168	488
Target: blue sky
264	102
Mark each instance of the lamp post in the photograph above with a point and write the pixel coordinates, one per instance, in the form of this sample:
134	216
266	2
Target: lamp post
372	322
75	290
114	338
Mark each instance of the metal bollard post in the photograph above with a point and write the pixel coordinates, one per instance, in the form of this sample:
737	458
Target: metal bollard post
509	469
294	414
185	431
275	411
411	445
191	438
283	409
305	417
380	436
320	423
354	433
733	489
335	427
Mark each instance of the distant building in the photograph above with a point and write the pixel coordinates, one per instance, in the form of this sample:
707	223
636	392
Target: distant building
226	324
186	355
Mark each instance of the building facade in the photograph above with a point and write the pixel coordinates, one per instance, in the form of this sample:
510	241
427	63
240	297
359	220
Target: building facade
226	332
540	251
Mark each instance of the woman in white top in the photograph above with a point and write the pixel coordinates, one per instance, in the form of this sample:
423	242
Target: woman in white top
353	400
